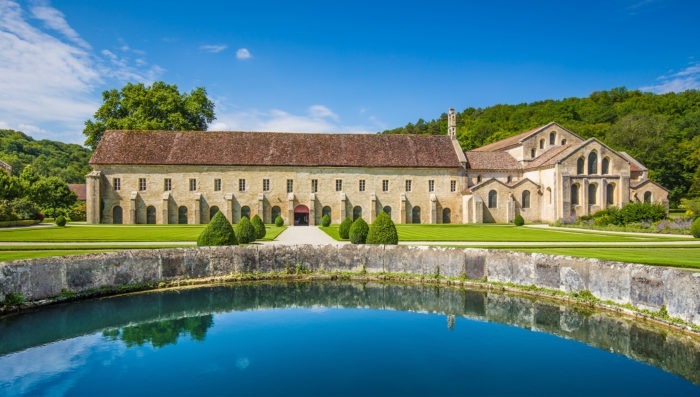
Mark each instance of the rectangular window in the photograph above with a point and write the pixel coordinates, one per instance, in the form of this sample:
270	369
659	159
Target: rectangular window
385	185
453	186
314	185
193	185
142	184
431	185
290	186
241	185
168	184
217	185
117	183
266	185
362	185
408	185
338	185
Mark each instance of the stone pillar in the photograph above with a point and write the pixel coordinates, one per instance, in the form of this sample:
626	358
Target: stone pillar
510	209
92	204
343	206
624	190
584	195
312	209
228	210
433	209
372	207
132	207
290	209
402	209
166	208
604	194
478	209
466	208
197	209
261	206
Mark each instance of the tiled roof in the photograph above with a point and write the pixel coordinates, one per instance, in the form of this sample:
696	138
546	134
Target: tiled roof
511	141
548	158
79	190
491	161
635	165
269	148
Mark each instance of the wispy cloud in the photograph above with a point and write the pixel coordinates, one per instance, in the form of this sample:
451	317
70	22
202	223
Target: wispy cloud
686	79
55	20
213	48
243	54
638	5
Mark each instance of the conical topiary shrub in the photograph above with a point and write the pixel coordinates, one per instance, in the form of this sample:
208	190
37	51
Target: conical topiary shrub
383	230
218	232
326	220
259	227
245	231
358	231
344	229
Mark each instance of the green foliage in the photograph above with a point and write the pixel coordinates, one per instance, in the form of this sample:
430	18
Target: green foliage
695	228
518	220
279	221
10	187
344	230
383	230
245	231
60	221
77	213
13	299
159	106
259	227
691	207
630	213
218	232
326	220
52	193
358	231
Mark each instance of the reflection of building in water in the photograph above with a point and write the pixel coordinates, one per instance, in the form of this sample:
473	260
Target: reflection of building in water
451	322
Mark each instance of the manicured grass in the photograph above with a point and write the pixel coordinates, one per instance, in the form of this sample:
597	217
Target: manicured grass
486	233
15	255
681	257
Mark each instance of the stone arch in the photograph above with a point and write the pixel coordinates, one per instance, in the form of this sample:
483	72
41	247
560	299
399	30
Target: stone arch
532	153
326	211
549	195
647	197
117	215
593	163
563	142
415	214
552	138
182	215
275	212
301	215
575	194
542	143
593	194
212	211
387	210
580	164
605	166
493	199
525	202
151	215
446	215
245	212
356	212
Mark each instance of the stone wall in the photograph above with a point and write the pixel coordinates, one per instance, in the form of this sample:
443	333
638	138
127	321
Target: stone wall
646	287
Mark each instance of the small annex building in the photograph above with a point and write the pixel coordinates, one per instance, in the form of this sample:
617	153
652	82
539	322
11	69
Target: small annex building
545	174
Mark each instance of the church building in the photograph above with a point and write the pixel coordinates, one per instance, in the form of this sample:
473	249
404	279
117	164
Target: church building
545	174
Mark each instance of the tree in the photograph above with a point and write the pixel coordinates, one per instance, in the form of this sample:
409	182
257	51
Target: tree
358	231
157	107
10	187
259	227
382	231
218	232
245	231
52	193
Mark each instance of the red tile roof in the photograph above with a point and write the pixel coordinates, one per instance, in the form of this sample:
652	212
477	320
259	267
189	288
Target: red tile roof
269	148
79	189
635	165
491	161
548	158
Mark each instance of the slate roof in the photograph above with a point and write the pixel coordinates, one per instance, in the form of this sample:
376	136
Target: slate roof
270	148
79	189
491	161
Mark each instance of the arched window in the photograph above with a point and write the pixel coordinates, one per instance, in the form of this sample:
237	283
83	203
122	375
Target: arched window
275	212
212	211
415	215
552	138
575	194
610	194
478	179
593	163
542	143
563	142
525	203
387	210
605	166
509	179
446	215
117	215
326	211
151	215
356	212
493	199
579	165
532	153
549	195
182	215
593	194
647	197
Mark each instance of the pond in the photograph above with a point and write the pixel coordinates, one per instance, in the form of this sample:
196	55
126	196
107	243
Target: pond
328	338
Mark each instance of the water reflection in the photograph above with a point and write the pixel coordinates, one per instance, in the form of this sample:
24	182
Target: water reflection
160	319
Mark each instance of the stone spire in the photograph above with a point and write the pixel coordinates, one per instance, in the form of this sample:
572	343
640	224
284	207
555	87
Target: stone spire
452	124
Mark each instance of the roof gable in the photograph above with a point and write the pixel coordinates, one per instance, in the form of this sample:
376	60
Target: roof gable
586	143
519	138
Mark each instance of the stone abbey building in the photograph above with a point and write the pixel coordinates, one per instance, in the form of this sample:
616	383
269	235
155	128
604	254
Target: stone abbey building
545	174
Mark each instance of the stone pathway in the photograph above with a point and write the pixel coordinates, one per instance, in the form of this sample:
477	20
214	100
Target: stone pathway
303	235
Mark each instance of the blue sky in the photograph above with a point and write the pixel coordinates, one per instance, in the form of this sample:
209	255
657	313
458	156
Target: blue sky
335	66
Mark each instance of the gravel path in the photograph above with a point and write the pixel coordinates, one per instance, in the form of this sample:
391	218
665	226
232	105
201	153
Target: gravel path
303	235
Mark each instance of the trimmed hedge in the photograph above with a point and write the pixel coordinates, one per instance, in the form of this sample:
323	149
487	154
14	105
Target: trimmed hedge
518	220
382	231
61	221
325	220
630	213
279	221
259	227
28	222
695	228
245	232
358	231
344	229
218	232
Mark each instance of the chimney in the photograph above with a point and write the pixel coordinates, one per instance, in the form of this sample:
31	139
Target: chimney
452	124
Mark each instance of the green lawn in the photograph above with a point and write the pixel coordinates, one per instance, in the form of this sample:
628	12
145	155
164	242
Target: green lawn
493	233
682	257
15	255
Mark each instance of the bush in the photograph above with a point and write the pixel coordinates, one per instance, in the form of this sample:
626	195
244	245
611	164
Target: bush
24	209
344	229
245	232
218	232
358	231
77	212
279	221
519	220
325	220
61	221
642	212
259	227
382	231
695	228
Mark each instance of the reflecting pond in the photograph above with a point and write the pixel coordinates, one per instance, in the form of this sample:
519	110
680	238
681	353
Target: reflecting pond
327	338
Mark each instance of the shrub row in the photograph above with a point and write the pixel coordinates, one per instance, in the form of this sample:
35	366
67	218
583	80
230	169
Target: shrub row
382	230
630	213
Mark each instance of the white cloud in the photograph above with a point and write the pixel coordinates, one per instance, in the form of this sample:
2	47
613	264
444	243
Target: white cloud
686	79
55	20
243	54
213	48
321	112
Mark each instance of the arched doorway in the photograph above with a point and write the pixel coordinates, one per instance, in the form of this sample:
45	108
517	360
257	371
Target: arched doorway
276	211
117	215
446	215
212	211
356	212
151	215
415	215
326	211
387	210
182	215
245	212
301	215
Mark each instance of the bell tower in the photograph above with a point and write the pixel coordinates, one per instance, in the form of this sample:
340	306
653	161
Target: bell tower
452	124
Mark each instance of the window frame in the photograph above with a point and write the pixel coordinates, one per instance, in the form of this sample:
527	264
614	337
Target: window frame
142	184
117	184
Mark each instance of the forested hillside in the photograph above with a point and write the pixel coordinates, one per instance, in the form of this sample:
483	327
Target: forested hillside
47	158
662	131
